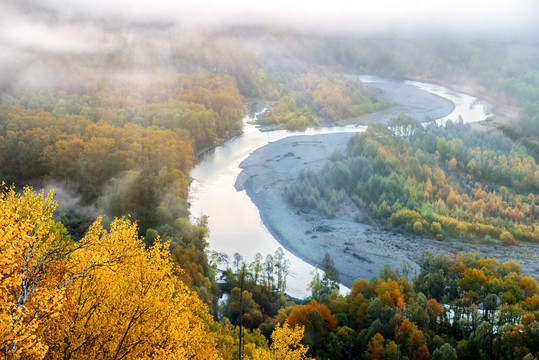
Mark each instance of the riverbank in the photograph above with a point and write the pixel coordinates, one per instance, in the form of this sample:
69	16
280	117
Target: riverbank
261	221
355	248
358	250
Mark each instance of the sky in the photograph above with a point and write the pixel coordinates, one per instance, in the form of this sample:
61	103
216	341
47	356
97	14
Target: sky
81	25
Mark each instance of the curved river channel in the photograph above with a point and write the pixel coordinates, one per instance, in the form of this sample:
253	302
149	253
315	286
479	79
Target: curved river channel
234	221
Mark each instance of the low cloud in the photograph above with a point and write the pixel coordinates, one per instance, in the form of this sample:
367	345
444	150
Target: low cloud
80	23
36	33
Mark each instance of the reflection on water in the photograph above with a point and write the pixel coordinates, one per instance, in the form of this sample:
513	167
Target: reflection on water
234	221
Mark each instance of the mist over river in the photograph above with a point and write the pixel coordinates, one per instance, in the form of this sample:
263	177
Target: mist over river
235	223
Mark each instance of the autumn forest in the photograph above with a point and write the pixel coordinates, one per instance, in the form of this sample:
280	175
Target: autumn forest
101	257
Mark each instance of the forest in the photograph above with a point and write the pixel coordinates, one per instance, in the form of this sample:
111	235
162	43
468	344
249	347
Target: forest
116	147
313	101
108	264
109	295
436	181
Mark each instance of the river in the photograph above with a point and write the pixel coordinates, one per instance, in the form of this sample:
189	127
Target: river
234	221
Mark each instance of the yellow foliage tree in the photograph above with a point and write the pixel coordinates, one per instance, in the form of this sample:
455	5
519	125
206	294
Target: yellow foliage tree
286	345
391	293
104	296
32	257
418	227
375	348
134	307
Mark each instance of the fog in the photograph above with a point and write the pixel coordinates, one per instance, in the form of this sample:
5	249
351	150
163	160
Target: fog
42	40
81	26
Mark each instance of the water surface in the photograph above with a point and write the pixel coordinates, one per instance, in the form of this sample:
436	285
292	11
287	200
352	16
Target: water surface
234	221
